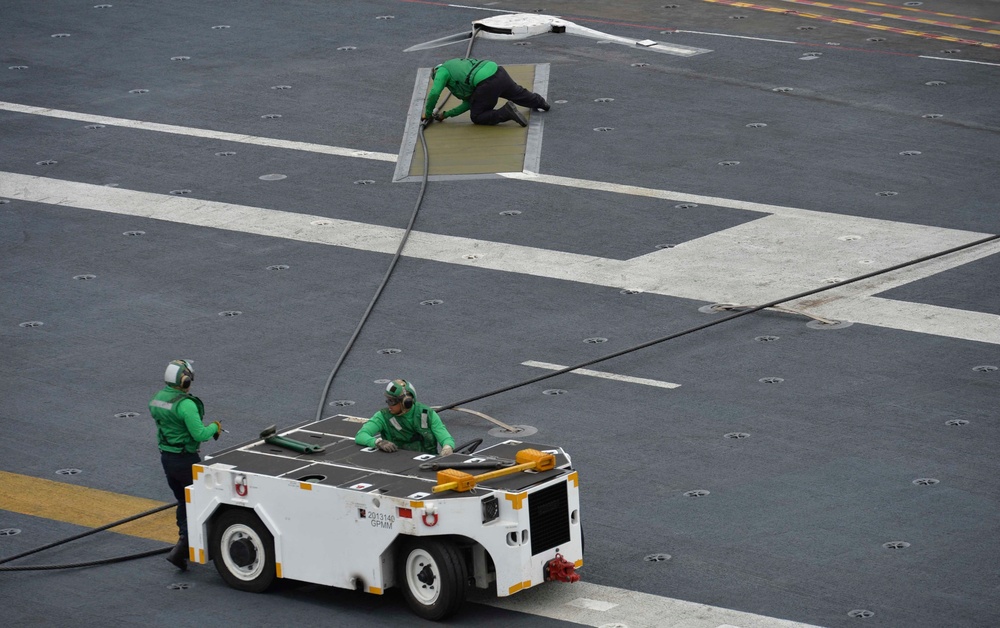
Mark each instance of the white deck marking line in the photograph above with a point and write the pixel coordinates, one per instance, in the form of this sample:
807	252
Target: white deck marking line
799	43
630	608
775	41
194	132
959	60
594	605
752	263
462	6
602	375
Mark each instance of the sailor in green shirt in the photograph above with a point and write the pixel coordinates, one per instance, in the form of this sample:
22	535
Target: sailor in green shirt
179	432
405	424
479	84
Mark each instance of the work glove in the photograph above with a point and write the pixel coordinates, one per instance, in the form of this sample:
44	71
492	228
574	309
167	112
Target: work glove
447	450
386	445
439	117
218	430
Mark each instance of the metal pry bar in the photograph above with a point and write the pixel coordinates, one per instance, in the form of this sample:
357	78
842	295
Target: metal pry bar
527	460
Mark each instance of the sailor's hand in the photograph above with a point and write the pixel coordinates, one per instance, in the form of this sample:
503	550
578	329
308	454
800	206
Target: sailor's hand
386	445
439	117
426	120
447	450
218	429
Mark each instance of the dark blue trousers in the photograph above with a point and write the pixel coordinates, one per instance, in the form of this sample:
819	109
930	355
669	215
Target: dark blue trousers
177	468
482	105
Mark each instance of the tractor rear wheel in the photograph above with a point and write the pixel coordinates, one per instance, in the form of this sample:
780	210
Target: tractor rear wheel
243	551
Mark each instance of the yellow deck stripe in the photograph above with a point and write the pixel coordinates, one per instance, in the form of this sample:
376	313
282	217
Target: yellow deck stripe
895	16
895	8
835	20
88	507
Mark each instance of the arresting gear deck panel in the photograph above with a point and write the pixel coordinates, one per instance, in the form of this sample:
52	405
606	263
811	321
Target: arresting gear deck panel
459	149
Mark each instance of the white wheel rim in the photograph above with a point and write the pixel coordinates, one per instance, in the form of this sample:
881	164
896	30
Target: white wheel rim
236	533
416	562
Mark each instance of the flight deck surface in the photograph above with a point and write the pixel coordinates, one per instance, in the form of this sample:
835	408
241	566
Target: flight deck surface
221	181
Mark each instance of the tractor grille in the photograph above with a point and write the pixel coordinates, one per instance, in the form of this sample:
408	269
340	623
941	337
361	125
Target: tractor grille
548	513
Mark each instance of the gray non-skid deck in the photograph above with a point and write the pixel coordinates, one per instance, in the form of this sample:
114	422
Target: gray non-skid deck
797	472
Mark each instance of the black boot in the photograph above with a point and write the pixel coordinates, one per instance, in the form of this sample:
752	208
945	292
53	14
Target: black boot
510	112
178	556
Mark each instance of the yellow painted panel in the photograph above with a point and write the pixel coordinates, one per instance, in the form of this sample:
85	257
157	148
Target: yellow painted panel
575	479
375	590
457	147
88	507
516	500
277	567
201	557
305	486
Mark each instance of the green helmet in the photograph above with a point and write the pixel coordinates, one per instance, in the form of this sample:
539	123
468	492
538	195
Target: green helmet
401	390
179	374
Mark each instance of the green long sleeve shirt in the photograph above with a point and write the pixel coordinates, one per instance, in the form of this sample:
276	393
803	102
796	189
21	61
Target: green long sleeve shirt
460	76
178	416
419	429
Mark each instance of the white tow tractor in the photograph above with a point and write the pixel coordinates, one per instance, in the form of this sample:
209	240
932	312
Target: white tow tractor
309	504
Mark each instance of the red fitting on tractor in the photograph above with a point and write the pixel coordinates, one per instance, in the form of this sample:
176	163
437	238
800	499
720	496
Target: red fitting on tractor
561	569
241	486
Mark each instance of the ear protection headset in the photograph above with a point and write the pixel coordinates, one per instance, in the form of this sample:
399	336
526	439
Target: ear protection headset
179	373
400	389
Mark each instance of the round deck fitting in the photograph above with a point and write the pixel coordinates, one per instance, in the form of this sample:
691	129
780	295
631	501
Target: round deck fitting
520	431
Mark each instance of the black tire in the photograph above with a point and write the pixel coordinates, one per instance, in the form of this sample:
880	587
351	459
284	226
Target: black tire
243	551
433	576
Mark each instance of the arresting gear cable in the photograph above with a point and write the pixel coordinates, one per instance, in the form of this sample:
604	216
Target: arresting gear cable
395	257
742	311
726	319
105	561
319	411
